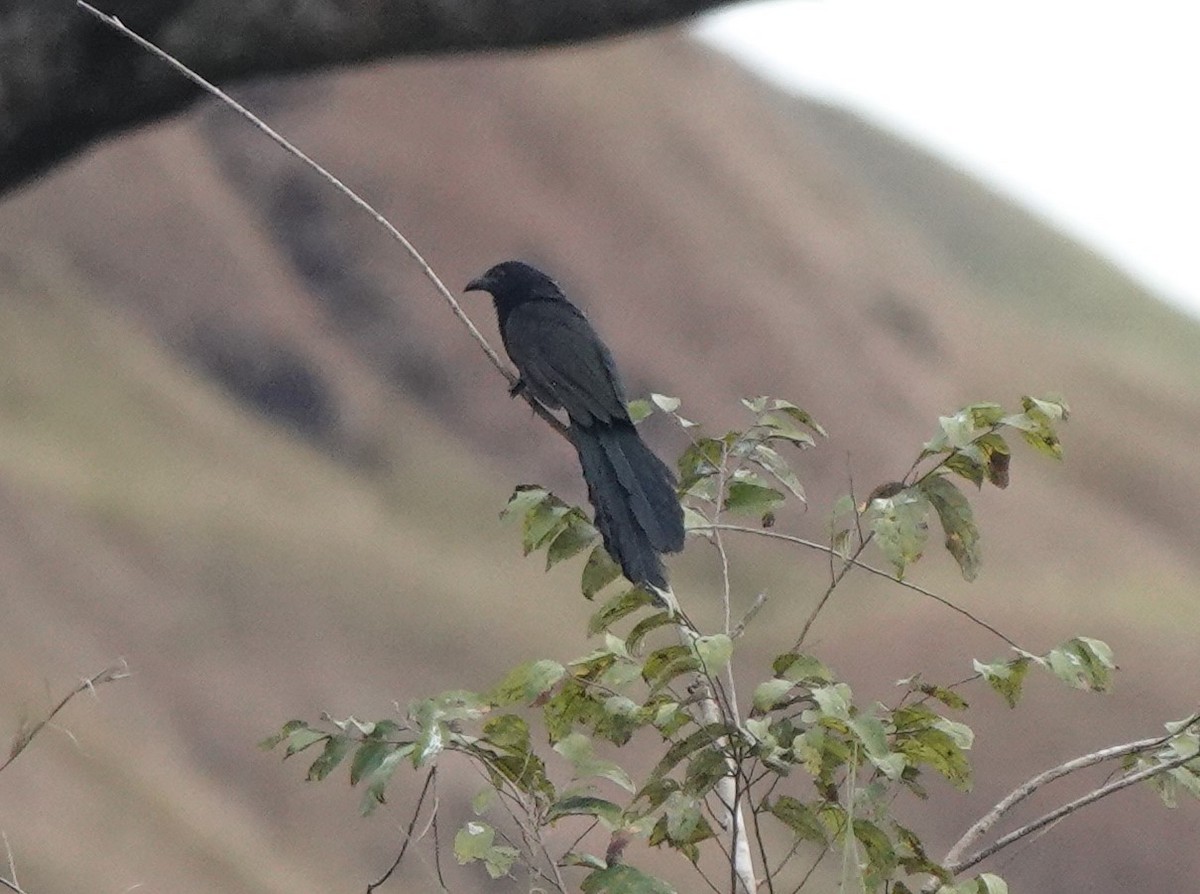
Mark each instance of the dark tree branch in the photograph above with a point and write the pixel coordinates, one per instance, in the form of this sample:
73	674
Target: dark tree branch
66	81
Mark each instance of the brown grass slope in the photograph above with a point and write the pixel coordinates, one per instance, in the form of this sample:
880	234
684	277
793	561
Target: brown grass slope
351	556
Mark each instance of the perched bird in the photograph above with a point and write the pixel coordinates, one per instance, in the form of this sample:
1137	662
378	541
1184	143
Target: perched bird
564	365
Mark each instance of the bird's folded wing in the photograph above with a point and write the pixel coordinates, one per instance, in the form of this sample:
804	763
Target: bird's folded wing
563	362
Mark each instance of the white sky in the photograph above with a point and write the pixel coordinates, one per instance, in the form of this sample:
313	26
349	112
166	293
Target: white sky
1087	111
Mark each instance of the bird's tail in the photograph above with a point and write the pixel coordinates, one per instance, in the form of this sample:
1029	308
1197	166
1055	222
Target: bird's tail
633	493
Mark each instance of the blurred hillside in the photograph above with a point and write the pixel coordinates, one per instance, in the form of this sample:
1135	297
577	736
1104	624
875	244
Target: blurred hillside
245	446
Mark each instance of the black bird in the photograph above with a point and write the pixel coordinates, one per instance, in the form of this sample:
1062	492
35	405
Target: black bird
564	364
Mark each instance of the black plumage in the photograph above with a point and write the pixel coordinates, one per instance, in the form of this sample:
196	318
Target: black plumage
564	365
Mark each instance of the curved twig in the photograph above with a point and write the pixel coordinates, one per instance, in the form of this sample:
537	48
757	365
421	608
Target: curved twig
854	562
1066	809
408	835
282	141
1023	791
117	671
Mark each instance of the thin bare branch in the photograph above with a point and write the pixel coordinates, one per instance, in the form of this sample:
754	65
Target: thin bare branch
1065	810
855	562
13	885
408	835
119	670
1023	791
833	583
280	140
811	869
437	843
759	601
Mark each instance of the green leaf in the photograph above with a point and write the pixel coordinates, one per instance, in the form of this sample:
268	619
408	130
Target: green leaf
571	706
367	759
871	733
706	736
704	771
336	749
682	822
577	749
621	706
453	704
576	536
598	572
752	498
964	464
881	857
995	455
771	461
1084	663
798	817
377	779
431	739
1005	677
524	498
958	430
473	841
527	682
961	734
801	668
911	853
984	415
937	749
585	805
543	521
643	627
770	693
992	884
669	718
665	664
617	608
579	858
623	879
1053	408
695	520
785	420
302	738
962	537
665	403
833	701
801	416
508	732
947	697
484	799
900	527
714	652
1036	424
273	741
638	410
499	860
699	463
477	841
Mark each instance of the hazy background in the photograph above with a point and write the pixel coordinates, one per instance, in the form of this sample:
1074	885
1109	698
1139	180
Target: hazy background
243	445
1079	110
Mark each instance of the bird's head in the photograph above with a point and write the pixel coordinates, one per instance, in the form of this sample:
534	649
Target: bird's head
514	282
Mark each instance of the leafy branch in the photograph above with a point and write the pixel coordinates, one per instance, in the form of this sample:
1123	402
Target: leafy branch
806	758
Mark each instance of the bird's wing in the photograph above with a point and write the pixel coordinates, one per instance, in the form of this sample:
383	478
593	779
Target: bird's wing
563	362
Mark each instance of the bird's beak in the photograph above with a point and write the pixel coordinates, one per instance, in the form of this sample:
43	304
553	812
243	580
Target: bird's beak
479	284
